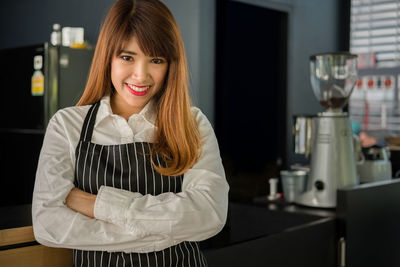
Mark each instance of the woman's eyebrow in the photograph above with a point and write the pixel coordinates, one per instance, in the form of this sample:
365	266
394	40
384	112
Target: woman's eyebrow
128	52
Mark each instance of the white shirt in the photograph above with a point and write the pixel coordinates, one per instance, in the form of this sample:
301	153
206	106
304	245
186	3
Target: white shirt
125	221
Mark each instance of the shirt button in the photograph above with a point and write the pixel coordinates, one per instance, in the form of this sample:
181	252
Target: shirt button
139	118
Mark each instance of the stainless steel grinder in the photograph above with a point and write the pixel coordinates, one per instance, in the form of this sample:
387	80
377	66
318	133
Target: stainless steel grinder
333	165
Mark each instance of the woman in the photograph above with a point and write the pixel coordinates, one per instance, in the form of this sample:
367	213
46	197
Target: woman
132	176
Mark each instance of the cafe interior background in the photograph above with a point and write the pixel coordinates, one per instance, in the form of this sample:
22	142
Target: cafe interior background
249	70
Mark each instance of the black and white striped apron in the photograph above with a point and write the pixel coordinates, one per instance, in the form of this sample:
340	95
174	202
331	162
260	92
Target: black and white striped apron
126	166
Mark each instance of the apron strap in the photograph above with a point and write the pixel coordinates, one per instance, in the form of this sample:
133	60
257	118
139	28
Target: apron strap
88	124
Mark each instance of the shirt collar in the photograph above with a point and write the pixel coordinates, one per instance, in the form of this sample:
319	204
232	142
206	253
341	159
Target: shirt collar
149	112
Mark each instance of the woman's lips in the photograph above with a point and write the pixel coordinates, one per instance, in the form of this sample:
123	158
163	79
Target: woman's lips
138	90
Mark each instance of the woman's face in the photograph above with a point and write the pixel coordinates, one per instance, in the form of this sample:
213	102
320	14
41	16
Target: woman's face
136	78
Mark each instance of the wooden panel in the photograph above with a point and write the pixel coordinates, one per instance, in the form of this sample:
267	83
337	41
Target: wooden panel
16	236
36	256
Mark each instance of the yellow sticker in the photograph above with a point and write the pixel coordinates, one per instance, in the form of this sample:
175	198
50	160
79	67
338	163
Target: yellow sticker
37	88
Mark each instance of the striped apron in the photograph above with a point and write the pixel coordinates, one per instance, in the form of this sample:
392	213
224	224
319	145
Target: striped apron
126	166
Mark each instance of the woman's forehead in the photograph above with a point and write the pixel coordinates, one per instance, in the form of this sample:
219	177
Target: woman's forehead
132	44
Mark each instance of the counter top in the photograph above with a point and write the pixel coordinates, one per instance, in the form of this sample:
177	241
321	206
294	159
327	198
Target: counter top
367	217
21	215
282	205
251	220
253	216
263	233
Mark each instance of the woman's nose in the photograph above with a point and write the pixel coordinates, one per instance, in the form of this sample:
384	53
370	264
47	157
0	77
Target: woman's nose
140	71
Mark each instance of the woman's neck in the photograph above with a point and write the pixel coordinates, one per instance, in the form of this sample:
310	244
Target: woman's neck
121	108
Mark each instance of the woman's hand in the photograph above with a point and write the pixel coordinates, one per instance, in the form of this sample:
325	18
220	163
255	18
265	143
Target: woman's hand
81	201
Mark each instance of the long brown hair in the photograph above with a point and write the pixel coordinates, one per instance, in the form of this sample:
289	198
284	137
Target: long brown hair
177	139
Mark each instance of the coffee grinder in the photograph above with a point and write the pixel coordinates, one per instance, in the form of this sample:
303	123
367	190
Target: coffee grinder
333	165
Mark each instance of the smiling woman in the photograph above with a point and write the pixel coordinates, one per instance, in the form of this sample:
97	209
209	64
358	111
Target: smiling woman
132	175
136	78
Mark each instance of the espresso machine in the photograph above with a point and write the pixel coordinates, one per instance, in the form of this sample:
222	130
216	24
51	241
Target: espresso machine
333	164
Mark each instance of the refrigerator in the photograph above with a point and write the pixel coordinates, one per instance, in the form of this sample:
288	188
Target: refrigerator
36	81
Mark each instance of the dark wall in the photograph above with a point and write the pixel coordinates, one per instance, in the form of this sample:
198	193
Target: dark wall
314	26
250	94
25	22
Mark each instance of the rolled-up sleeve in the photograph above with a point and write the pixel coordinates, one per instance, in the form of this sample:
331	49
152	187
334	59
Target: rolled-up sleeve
195	214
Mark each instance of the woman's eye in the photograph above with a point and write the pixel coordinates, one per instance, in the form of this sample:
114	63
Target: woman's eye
157	60
126	58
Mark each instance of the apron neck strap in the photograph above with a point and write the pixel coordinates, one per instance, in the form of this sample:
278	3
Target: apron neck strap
88	124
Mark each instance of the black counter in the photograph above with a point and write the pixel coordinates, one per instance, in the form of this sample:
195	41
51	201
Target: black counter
369	222
263	233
